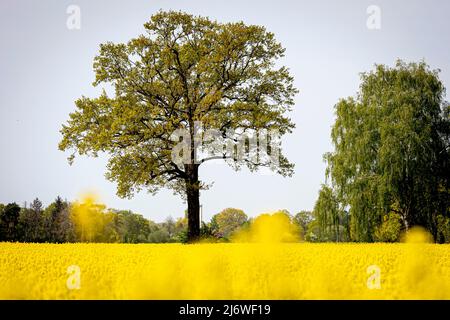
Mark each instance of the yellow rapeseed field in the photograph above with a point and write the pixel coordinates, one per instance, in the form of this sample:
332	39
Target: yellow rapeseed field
224	271
265	261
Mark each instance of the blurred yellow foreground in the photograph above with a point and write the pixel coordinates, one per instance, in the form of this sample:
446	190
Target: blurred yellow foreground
413	270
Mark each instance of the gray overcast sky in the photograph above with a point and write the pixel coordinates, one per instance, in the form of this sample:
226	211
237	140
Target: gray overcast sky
45	67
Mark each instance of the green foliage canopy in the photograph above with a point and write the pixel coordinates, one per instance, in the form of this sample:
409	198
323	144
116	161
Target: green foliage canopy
227	221
392	149
183	69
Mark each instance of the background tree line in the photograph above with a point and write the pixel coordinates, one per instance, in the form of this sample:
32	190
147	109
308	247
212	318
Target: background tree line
62	221
58	223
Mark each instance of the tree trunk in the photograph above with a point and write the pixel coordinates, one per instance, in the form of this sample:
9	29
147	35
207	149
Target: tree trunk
405	221
193	201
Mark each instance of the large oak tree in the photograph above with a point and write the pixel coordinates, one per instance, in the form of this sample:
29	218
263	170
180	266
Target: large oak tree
184	70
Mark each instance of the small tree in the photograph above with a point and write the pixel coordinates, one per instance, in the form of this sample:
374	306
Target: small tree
31	220
59	226
303	219
389	230
332	219
443	229
227	221
9	222
185	70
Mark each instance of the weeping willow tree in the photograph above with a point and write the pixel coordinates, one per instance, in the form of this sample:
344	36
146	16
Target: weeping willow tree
332	217
391	150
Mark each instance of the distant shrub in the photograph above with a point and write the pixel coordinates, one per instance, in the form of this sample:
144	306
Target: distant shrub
443	229
159	236
389	230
